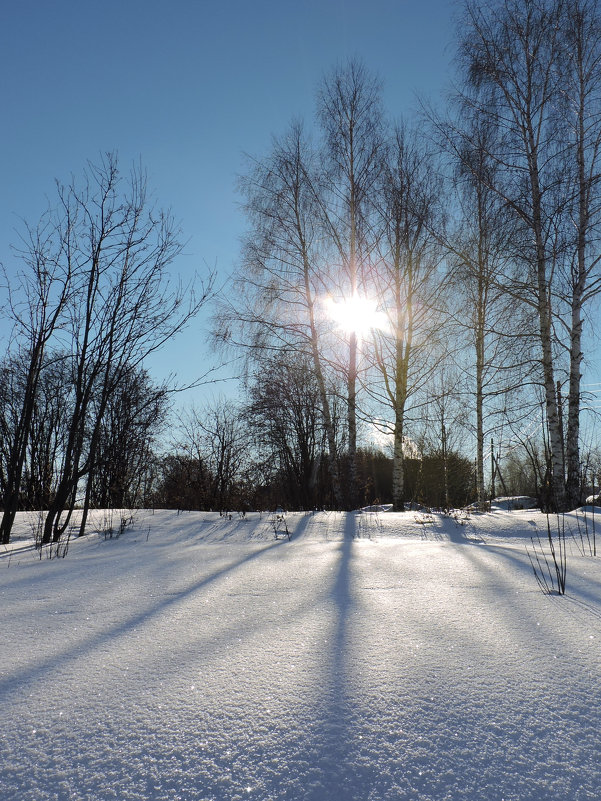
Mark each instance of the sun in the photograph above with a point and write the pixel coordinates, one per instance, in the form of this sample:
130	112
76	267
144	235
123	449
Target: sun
357	314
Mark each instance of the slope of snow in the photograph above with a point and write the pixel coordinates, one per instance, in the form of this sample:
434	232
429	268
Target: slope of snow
374	657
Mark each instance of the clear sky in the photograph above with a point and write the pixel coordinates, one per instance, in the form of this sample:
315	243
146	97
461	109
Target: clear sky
188	86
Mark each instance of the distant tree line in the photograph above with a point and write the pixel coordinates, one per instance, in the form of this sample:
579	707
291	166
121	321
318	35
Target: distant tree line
271	457
265	453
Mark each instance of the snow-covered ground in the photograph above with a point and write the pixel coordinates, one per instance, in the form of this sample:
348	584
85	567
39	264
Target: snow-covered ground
373	656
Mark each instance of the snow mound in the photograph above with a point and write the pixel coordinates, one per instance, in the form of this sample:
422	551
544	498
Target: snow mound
514	502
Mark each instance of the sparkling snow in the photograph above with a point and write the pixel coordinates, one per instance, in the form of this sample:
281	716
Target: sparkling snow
372	657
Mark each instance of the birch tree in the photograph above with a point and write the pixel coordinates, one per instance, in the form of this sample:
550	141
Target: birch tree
487	312
408	285
581	126
276	307
511	57
350	112
533	71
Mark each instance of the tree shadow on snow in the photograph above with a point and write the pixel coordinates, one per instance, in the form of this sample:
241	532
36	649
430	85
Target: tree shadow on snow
327	757
301	526
333	729
59	661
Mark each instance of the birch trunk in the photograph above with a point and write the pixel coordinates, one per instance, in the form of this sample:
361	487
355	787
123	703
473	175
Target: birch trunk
325	402
403	345
400	400
573	428
584	79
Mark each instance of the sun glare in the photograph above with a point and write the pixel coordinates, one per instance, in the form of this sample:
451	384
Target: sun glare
356	314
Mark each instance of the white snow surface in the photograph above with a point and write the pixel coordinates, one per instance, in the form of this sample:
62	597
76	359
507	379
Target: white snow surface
371	657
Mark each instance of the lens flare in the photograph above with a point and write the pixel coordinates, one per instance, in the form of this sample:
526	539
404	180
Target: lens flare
357	314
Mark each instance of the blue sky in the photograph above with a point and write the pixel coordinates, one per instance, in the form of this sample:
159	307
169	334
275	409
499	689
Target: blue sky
188	87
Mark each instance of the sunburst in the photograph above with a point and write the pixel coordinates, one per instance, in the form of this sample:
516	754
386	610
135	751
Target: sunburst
358	314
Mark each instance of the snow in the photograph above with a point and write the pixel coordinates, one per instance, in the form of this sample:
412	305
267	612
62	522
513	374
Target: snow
512	502
370	657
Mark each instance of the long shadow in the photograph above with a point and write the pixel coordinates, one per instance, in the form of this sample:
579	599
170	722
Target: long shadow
528	623
342	601
477	558
333	730
301	526
460	536
340	767
41	669
575	593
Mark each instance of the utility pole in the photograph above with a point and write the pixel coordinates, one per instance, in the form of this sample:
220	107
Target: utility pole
492	469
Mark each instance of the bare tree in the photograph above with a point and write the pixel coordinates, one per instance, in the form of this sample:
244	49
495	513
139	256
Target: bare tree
408	285
288	429
132	418
350	111
217	436
123	306
511	56
208	466
580	121
282	277
308	237
443	428
478	247
48	432
37	306
534	73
